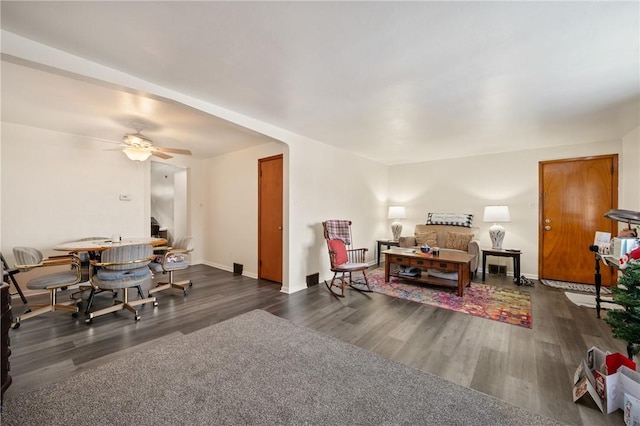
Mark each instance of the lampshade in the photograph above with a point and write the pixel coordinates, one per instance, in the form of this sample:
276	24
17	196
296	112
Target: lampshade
397	212
496	214
136	154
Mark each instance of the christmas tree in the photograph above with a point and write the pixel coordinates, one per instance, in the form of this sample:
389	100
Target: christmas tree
626	323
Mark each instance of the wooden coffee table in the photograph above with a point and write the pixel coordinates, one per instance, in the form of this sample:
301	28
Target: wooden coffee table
446	261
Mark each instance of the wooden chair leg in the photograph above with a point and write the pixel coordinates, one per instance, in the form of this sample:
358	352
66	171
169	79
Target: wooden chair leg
366	283
331	285
346	279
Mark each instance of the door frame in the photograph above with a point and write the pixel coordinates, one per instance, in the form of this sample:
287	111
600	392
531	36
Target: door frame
260	162
614	205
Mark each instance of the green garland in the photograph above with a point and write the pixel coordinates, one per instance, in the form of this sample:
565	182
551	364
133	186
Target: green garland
626	323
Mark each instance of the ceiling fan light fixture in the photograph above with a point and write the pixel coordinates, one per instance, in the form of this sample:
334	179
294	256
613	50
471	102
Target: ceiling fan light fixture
137	139
136	154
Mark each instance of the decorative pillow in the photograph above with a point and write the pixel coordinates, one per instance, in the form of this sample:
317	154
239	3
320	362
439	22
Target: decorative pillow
458	241
429	238
173	258
339	252
451	219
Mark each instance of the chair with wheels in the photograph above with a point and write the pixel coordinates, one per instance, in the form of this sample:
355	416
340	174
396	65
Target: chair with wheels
85	259
344	260
122	268
28	258
172	259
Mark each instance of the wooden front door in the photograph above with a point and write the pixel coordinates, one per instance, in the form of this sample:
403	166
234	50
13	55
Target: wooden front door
270	218
575	195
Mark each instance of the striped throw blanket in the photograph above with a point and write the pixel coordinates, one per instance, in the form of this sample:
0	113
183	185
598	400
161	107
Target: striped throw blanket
338	230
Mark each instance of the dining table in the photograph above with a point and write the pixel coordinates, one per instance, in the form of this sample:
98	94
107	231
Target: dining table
98	245
94	247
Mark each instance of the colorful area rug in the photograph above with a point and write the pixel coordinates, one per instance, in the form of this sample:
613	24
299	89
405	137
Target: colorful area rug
480	300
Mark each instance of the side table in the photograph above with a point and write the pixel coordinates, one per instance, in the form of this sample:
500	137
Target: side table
515	255
388	243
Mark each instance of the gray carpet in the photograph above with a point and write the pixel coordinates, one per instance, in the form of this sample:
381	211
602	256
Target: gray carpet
258	369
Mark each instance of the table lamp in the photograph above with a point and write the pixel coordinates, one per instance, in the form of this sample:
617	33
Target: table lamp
396	212
496	214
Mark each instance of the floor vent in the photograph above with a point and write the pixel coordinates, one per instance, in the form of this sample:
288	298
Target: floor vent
313	279
237	268
497	269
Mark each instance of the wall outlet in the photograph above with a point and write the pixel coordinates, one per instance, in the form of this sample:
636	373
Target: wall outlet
125	197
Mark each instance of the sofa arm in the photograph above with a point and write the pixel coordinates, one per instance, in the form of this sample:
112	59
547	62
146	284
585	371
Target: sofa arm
406	242
474	248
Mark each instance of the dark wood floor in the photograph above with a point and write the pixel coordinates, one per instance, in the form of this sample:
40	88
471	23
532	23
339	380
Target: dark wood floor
531	368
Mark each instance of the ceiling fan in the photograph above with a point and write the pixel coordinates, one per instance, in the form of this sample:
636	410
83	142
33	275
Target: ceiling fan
138	147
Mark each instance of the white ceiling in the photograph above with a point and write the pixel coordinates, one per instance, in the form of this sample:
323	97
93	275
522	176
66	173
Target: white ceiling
60	102
395	82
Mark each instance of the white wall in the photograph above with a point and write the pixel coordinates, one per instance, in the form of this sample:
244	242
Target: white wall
180	203
169	203
162	199
324	183
630	171
329	183
469	184
58	187
194	195
231	209
1	203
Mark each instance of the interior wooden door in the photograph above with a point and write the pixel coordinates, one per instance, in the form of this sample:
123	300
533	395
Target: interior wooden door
270	218
575	195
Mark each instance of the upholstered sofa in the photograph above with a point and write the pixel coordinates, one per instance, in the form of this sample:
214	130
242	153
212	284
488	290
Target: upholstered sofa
446	237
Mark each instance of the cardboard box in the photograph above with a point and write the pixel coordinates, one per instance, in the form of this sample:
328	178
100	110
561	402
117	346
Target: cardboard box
606	378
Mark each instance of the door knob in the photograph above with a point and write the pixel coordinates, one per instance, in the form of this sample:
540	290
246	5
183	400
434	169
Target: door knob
547	228
279	228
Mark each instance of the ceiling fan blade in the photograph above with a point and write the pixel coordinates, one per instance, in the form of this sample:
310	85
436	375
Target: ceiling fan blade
161	155
174	150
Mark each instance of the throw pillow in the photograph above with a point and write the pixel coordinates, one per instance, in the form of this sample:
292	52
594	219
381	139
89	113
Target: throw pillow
429	238
450	219
458	241
174	258
339	252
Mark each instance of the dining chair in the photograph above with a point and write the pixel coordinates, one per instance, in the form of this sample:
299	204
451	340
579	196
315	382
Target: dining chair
122	268
85	259
86	256
28	258
172	259
344	259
